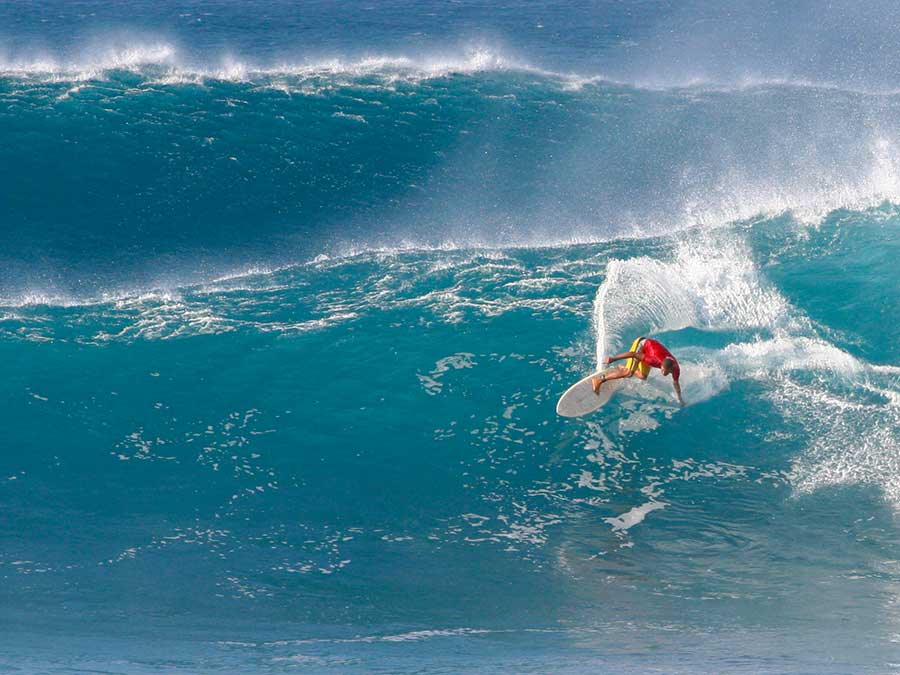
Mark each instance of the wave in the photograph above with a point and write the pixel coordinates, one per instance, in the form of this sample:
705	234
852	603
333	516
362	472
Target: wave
163	62
277	165
295	328
709	284
135	58
567	200
707	278
711	302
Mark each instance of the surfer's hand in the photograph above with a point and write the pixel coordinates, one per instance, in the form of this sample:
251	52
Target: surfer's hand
607	361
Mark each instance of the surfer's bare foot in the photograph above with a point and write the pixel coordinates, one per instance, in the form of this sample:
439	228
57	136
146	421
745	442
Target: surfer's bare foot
595	384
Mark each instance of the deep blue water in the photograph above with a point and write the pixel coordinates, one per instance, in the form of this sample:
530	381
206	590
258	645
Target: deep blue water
288	293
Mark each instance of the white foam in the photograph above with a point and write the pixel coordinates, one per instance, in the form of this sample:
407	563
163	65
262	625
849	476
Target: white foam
634	516
350	116
167	63
748	82
849	409
432	382
709	372
741	193
94	65
851	442
410	636
762	358
164	64
710	284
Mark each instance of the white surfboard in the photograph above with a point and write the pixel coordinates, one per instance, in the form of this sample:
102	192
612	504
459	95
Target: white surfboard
580	398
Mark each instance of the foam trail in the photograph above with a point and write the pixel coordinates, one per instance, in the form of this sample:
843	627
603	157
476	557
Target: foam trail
851	441
711	284
772	361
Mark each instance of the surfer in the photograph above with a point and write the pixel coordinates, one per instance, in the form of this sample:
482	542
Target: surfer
645	354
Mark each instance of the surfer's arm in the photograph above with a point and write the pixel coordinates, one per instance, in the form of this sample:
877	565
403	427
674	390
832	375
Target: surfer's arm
626	355
678	392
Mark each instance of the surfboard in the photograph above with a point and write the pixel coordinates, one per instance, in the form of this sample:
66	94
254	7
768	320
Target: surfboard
580	398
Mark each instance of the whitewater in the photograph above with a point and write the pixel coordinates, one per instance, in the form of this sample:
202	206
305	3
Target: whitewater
288	295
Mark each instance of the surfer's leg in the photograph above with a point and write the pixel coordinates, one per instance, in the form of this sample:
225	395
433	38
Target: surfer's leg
619	373
640	369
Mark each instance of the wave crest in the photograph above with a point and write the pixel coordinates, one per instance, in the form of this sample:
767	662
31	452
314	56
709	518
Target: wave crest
164	62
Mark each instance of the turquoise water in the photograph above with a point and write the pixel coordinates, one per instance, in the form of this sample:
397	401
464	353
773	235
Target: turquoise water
282	339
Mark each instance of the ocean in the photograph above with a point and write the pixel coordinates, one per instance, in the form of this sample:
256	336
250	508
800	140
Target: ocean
289	291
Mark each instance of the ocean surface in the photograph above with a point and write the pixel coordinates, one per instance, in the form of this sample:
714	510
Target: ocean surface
288	293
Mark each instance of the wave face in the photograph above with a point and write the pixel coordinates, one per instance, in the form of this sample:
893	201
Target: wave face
282	332
131	171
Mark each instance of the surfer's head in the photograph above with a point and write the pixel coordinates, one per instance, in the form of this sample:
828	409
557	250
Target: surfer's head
667	365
